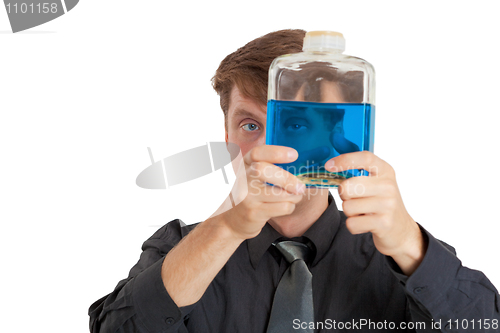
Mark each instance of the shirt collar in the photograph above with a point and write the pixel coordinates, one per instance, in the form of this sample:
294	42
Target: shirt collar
321	234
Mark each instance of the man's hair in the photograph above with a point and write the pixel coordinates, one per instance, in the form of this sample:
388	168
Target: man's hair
248	67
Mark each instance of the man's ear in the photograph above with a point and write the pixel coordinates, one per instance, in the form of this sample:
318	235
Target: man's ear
226	136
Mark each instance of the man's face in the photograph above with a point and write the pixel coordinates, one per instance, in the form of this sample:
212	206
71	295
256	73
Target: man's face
246	124
247	118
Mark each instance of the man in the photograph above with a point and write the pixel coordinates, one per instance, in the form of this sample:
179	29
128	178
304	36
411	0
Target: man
373	267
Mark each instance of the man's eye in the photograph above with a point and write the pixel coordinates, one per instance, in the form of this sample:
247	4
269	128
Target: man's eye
250	127
296	127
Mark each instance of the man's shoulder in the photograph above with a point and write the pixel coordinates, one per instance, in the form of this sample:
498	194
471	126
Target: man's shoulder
172	232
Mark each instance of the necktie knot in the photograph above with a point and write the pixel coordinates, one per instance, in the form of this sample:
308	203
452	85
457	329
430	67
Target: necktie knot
292	251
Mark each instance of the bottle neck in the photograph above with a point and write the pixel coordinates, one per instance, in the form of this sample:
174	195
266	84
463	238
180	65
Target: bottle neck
323	49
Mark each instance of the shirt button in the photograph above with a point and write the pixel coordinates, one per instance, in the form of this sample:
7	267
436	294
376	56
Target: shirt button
418	290
169	320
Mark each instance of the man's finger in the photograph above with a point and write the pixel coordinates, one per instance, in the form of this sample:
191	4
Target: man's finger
277	208
271	154
357	207
362	187
361	224
359	160
264	172
270	193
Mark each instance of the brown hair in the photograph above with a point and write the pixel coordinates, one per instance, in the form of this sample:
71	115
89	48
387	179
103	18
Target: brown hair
248	67
350	83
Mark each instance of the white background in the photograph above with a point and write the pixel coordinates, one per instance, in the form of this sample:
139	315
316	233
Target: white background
83	96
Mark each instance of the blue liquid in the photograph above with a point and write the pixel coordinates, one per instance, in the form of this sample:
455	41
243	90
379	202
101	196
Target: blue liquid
320	131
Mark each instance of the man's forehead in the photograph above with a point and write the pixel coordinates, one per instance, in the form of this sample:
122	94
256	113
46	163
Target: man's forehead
240	105
242	112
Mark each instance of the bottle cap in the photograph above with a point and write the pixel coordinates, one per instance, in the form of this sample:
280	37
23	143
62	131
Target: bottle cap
323	41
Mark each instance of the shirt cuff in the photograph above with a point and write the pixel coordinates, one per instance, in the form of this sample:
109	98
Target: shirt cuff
154	307
433	277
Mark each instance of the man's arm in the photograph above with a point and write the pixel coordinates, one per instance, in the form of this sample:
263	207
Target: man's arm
191	266
166	280
140	302
438	287
447	296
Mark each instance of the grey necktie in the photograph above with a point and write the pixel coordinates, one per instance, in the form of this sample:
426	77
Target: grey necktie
293	298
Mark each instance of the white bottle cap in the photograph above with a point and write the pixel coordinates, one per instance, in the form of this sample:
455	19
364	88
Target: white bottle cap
323	41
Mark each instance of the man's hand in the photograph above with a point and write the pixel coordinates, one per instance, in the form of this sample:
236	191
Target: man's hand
374	204
191	266
258	202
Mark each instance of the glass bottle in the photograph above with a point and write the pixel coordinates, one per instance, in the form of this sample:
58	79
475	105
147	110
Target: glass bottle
321	103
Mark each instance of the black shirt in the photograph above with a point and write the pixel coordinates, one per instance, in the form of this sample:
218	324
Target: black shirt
355	288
